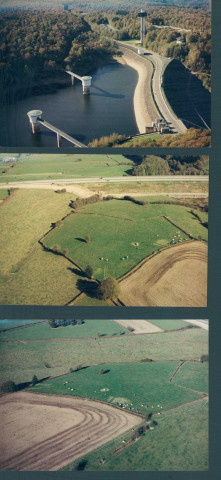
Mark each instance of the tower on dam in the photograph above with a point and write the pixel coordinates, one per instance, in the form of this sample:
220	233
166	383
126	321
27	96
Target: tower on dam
142	16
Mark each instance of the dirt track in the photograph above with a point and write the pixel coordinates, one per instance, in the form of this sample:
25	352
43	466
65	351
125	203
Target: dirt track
139	326
47	432
175	277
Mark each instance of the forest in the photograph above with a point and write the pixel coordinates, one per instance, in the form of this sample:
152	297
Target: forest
37	45
185	165
97	4
194	51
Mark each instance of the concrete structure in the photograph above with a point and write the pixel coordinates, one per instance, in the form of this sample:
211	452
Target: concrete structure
36	121
86	81
140	51
142	16
34	116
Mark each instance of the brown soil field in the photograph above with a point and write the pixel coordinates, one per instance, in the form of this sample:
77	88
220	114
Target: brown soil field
140	326
175	277
46	432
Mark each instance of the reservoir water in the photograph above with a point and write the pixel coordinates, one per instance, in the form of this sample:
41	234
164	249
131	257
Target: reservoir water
108	109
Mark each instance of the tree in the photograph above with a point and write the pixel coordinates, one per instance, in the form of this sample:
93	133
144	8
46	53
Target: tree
87	239
34	380
89	271
8	387
101	371
108	289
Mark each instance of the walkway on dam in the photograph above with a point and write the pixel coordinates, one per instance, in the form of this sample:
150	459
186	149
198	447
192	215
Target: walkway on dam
150	101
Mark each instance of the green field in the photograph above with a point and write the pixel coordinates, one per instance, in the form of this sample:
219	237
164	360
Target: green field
22	359
179	442
114	226
57	167
90	328
193	375
9	324
3	193
149	187
144	387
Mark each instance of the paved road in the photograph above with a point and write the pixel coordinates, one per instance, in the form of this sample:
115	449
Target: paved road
156	178
159	64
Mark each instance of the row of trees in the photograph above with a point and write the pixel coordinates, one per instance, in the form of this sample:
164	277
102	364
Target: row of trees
64	323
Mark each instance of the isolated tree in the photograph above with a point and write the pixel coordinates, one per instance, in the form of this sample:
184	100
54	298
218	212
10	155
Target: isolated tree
87	239
65	252
108	289
101	371
89	271
34	380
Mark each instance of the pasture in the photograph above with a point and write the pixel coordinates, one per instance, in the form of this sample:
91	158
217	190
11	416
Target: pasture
46	167
22	359
115	227
93	413
170	324
88	329
179	442
139	387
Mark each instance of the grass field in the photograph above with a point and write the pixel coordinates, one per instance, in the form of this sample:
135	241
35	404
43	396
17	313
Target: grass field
142	387
39	167
9	324
149	187
178	442
21	360
193	375
90	328
3	193
114	226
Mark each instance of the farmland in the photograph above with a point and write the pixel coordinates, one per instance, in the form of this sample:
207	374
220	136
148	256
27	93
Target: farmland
56	167
110	379
122	234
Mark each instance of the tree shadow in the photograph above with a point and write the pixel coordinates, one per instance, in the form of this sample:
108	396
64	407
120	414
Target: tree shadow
88	287
76	272
80	239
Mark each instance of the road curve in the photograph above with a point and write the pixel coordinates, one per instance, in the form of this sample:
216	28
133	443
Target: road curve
159	65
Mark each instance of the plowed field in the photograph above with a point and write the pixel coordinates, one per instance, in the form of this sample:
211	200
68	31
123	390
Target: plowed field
139	326
47	432
175	277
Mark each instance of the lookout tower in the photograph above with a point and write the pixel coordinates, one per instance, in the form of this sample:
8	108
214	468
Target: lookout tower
142	16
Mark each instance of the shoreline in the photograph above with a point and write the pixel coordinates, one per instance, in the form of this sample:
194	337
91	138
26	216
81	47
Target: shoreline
145	110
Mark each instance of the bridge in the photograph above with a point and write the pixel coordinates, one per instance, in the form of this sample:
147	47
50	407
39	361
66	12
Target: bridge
36	121
86	81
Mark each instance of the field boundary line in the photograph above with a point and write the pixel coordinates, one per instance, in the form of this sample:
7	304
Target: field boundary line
146	259
175	225
179	366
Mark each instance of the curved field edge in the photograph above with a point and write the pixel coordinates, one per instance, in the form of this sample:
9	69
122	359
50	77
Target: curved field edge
172	445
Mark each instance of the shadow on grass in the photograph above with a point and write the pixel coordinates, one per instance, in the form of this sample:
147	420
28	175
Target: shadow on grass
80	239
77	272
88	287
